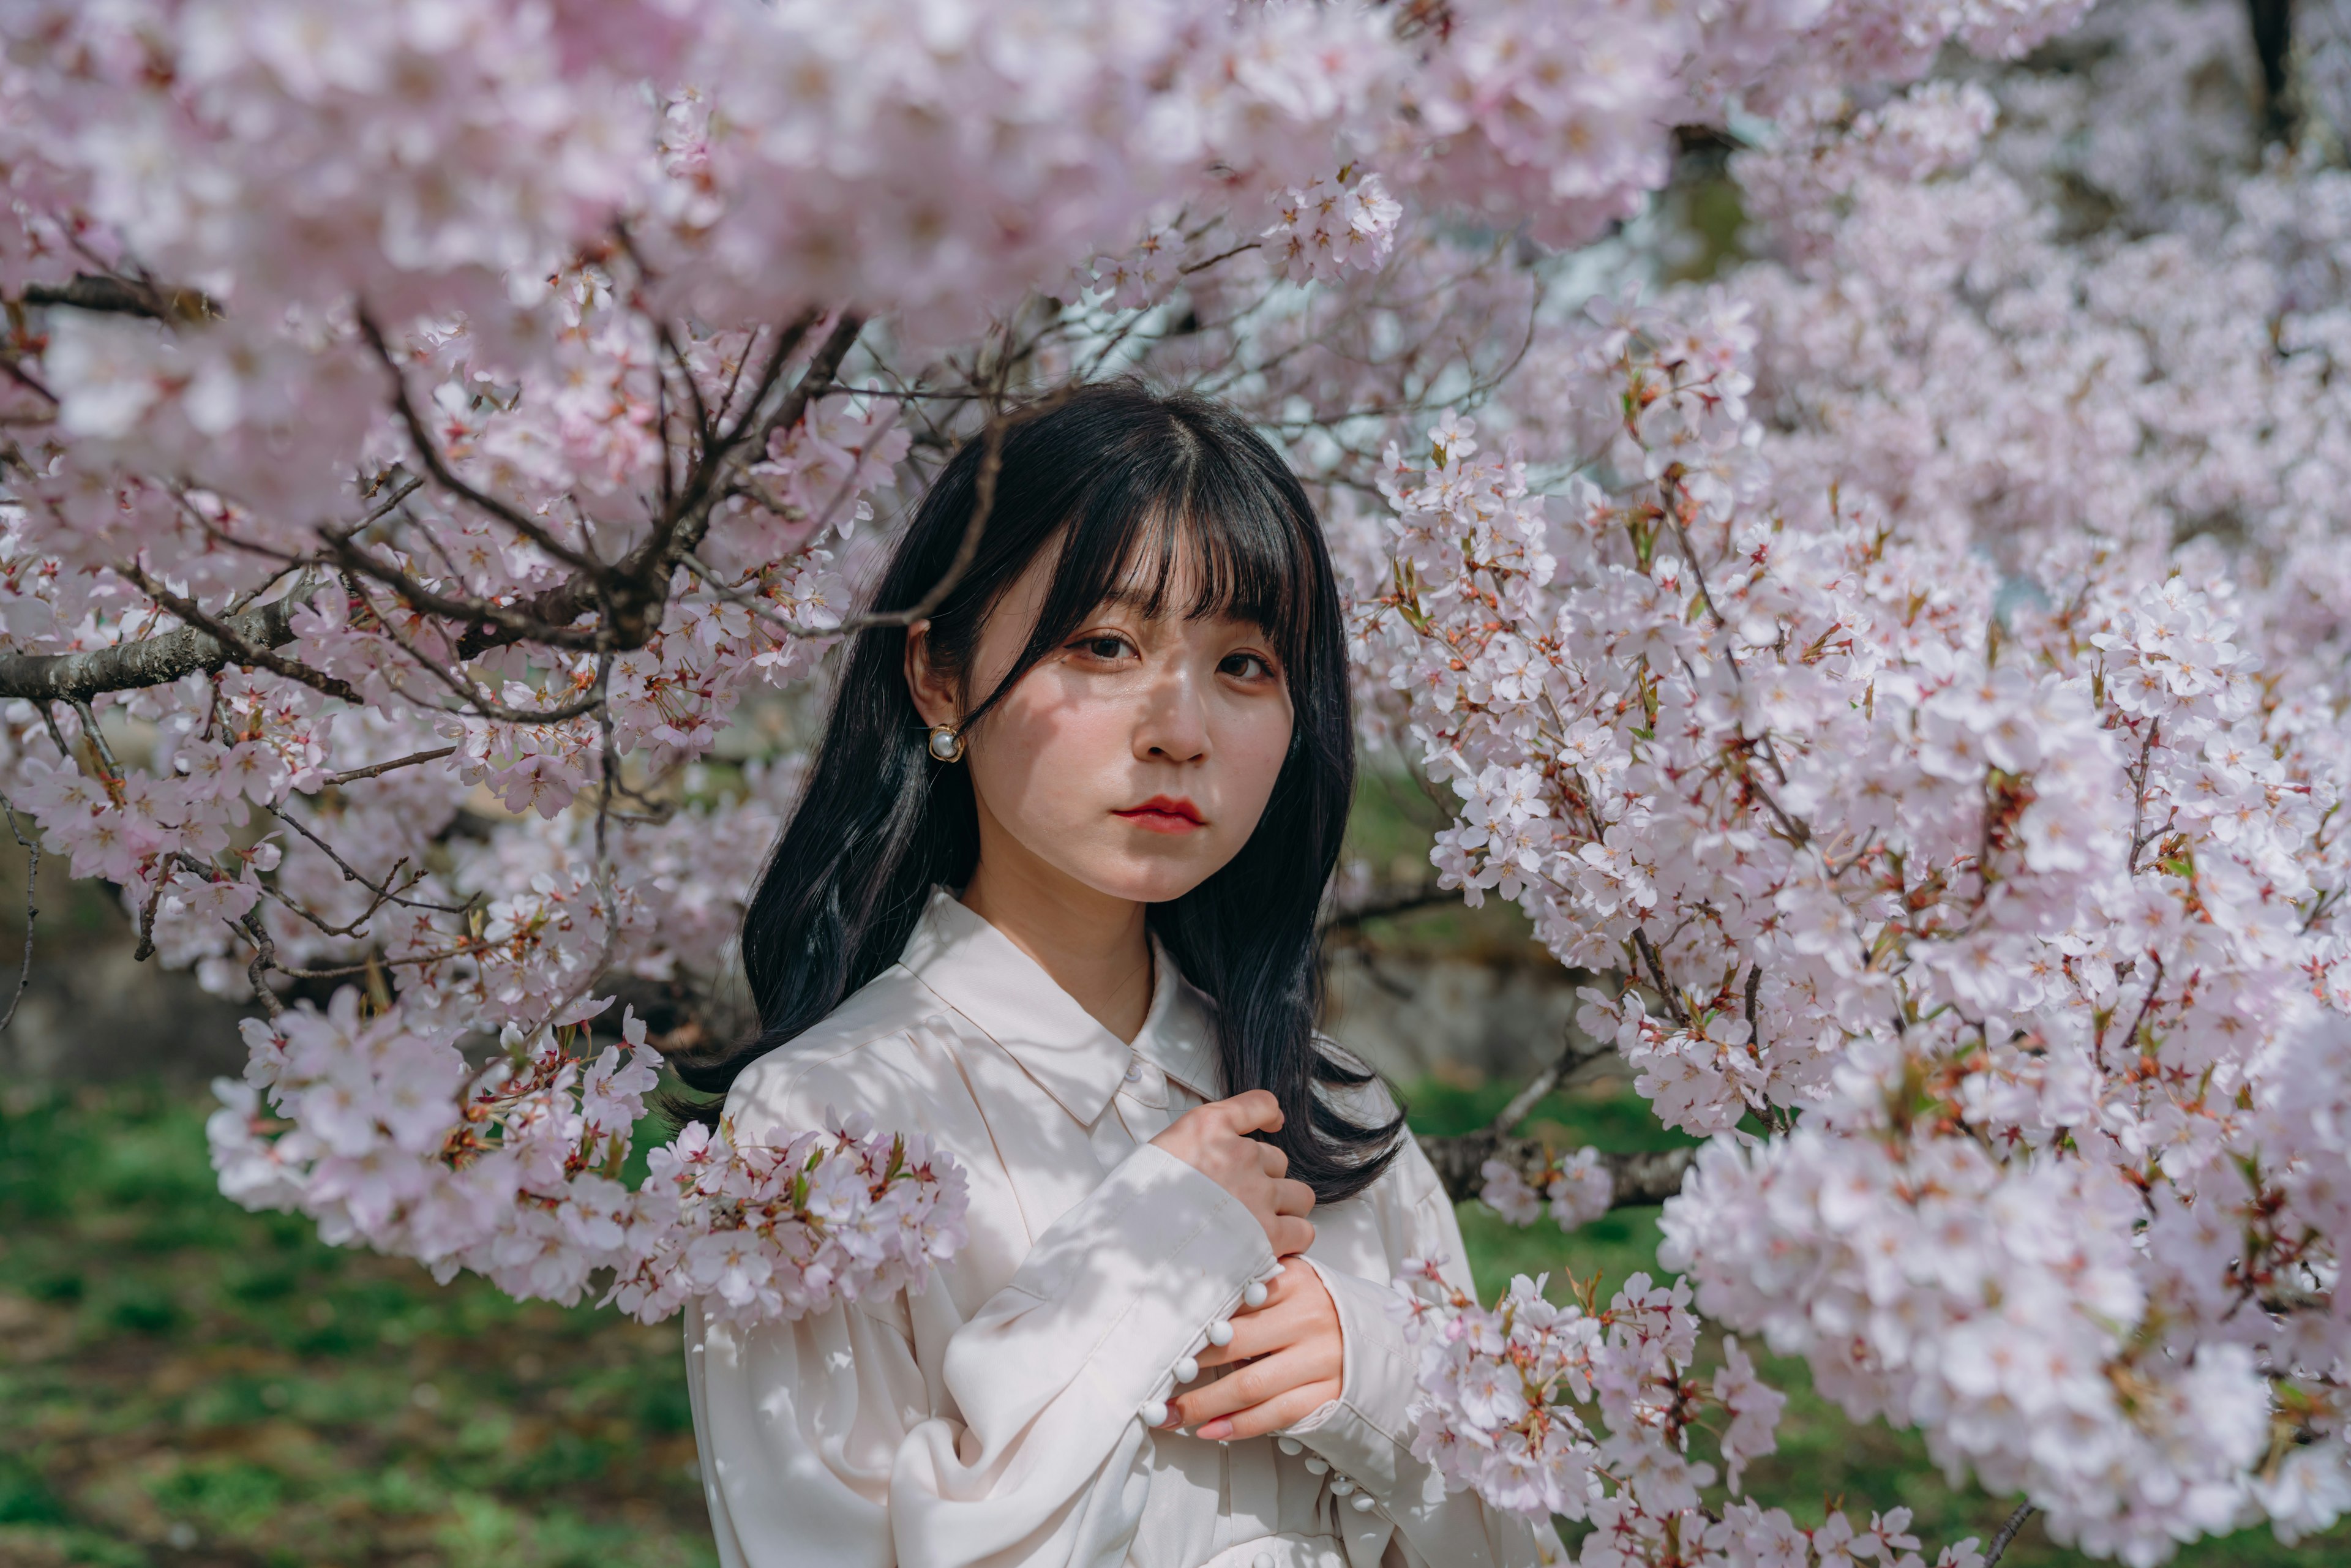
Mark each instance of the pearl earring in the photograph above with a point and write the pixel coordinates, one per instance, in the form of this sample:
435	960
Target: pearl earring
945	743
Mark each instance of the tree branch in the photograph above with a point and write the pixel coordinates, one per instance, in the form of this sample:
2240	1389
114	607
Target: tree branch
1577	1052
1396	901
113	295
429	451
1645	1177
2000	1542
148	662
983	503
351	775
238	646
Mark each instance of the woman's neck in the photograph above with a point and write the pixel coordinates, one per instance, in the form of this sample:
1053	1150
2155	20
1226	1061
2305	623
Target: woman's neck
1096	946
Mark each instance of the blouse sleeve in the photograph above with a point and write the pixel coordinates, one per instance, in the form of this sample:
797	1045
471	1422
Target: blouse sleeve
1366	1433
825	1442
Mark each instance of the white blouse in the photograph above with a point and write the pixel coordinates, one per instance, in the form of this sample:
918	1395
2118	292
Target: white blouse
995	1417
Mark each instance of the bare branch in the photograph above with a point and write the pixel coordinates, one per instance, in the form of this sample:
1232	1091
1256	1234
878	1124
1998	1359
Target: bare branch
983	502
382	890
29	382
429	451
1658	972
2000	1542
378	769
629	593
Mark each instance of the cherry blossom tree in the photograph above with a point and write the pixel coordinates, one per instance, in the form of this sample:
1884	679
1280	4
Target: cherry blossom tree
439	444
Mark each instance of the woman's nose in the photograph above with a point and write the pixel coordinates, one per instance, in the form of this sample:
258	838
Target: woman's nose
1173	725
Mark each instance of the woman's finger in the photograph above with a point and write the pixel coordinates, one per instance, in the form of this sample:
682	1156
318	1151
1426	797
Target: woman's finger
1284	1409
1253	1110
1289	1235
1244	1387
1255	1333
1292	1198
1273	1160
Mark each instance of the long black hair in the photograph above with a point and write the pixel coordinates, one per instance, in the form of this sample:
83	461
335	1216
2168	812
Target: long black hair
1124	484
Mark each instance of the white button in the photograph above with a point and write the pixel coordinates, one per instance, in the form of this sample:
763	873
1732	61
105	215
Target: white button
1262	1560
1186	1369
1253	1293
1287	1445
1362	1503
1134	1071
1317	1464
1153	1412
1341	1486
1220	1333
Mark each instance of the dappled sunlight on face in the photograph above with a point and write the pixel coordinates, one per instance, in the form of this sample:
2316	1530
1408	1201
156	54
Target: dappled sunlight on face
1138	756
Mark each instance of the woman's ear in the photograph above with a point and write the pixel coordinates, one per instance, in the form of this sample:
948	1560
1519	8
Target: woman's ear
934	688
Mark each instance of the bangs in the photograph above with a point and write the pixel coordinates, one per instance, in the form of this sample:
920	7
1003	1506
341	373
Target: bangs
1201	537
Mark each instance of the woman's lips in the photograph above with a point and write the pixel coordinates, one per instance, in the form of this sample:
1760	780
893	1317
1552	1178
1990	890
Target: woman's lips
1164	814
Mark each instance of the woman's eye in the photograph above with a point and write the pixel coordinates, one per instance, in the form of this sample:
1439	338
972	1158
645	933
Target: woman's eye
1247	666
1103	647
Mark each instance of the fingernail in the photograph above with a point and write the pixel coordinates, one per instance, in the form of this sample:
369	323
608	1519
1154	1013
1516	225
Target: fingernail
1216	1431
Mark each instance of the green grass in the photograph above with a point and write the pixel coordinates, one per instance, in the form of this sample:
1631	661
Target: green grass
184	1385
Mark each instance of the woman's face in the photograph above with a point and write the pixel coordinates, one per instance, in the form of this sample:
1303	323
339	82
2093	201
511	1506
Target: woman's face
1135	758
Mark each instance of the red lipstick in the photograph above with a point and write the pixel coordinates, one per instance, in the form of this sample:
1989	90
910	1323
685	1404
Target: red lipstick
1164	814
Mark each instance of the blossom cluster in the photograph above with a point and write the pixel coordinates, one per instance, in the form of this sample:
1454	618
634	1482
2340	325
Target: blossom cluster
1587	1413
1998	915
1575	1190
380	1131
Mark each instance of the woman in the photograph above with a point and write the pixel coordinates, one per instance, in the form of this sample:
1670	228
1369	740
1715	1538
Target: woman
1050	898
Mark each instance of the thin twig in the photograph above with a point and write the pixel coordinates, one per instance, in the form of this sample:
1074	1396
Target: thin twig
351	873
98	741
265	958
377	769
429	451
983	502
1574	1055
466	688
1382	906
1657	973
2147	1004
31	383
710	579
2007	1534
2137	775
600	872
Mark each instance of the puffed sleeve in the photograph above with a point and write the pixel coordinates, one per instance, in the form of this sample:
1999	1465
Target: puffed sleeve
1365	1434
825	1442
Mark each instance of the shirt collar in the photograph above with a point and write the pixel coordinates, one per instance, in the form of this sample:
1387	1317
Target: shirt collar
982	974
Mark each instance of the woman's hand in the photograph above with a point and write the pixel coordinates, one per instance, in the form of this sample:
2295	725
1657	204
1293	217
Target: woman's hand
1213	1139
1294	1360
